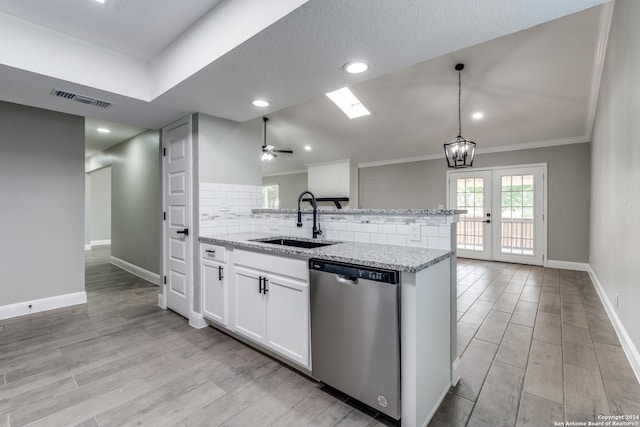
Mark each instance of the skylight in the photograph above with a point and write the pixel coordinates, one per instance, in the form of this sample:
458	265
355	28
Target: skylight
348	103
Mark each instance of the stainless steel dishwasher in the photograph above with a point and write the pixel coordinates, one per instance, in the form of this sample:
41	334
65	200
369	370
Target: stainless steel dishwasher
355	337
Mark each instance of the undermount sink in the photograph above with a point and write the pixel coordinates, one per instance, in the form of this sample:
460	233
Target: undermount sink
294	242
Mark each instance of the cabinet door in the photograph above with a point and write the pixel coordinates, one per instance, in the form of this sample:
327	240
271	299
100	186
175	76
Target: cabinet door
214	291
288	318
250	304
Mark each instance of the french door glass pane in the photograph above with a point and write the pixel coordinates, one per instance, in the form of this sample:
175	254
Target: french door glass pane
517	228
470	196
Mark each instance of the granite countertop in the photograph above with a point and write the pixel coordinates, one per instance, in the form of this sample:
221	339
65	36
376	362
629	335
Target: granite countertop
401	258
425	212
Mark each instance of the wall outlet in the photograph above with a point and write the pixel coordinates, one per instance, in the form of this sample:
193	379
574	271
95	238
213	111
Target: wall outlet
415	232
440	206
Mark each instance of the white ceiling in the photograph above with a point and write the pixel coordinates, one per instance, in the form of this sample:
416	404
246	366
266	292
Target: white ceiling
96	142
533	86
139	29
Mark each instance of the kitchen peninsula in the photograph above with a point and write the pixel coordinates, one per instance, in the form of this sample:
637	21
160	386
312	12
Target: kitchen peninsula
259	291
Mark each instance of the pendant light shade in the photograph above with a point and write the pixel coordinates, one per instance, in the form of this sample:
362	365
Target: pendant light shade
460	151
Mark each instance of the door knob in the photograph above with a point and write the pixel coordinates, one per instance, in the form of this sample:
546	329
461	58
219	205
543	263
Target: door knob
487	221
185	231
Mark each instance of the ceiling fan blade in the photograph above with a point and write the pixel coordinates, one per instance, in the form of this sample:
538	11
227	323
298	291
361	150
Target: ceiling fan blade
283	151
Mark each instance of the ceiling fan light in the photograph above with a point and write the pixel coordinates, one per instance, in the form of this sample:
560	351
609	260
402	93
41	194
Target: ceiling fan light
267	157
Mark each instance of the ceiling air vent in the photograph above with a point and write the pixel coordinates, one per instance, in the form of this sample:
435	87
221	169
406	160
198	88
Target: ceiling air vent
80	98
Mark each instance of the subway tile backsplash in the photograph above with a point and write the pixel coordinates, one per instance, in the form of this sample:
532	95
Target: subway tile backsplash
227	208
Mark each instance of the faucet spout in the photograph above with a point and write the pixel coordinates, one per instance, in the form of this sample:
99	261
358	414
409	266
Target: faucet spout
316	225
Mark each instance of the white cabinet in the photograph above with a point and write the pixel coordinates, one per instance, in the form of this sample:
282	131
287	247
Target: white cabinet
272	304
214	283
250	304
288	318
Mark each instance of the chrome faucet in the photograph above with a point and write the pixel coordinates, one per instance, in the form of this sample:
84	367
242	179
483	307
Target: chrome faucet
316	224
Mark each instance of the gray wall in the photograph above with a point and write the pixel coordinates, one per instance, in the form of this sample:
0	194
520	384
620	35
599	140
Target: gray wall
136	199
225	152
100	205
615	184
422	185
290	188
42	198
228	151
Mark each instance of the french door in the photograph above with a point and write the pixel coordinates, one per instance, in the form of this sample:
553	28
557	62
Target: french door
505	213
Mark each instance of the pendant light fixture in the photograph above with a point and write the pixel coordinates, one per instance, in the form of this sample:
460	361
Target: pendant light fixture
460	151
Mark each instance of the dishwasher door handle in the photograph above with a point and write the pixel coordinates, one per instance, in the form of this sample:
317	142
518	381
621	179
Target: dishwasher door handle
346	279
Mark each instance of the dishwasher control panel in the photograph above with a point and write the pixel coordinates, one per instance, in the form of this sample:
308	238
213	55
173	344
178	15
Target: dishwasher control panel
356	271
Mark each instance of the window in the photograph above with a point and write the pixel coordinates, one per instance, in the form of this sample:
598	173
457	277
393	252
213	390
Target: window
271	196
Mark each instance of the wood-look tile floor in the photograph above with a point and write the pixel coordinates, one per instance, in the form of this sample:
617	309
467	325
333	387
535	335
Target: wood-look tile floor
535	345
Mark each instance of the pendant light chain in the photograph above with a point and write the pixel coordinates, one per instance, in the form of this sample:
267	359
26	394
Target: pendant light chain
459	101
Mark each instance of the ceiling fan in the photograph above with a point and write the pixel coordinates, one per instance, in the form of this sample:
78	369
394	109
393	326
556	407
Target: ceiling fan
269	151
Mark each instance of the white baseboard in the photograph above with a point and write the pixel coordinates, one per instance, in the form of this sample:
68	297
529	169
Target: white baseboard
100	242
42	304
567	265
197	321
87	247
138	271
627	345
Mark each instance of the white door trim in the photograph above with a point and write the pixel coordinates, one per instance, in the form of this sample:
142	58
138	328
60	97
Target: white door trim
545	195
162	298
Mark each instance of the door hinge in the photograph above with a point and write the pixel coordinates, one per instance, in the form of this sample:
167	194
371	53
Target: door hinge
164	152
164	216
165	280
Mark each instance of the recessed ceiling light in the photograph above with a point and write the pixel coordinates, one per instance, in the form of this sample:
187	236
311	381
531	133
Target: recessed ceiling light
307	147
260	103
355	67
103	2
103	130
477	115
348	103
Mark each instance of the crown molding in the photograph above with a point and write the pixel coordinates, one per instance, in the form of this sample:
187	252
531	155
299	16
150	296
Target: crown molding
604	27
489	150
330	162
284	173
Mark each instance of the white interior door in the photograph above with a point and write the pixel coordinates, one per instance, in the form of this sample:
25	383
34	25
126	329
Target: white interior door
505	218
471	190
177	207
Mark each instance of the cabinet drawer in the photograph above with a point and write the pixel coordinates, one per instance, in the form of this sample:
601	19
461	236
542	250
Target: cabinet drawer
282	265
213	252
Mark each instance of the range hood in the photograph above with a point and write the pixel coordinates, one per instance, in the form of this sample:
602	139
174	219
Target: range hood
334	182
